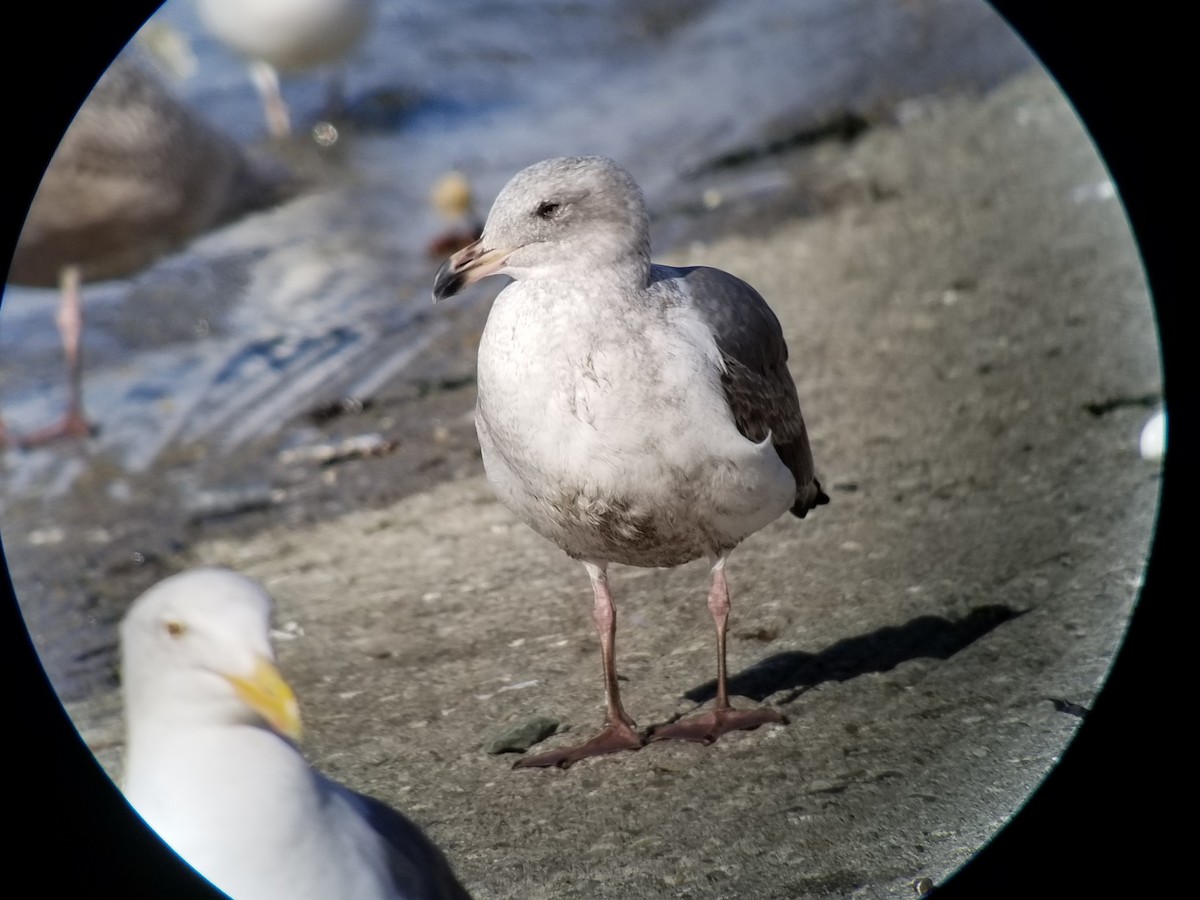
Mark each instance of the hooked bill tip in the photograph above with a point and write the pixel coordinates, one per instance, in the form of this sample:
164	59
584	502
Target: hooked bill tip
448	281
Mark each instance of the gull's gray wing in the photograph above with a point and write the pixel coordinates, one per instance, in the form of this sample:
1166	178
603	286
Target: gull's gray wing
420	871
758	386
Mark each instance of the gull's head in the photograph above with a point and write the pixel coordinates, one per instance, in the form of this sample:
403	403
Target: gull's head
195	649
577	212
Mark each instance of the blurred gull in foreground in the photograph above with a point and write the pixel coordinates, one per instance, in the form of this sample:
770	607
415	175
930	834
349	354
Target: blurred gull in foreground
628	412
285	36
211	764
136	176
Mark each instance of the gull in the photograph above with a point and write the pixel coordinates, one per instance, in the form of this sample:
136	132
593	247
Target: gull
629	412
212	767
287	36
137	175
451	197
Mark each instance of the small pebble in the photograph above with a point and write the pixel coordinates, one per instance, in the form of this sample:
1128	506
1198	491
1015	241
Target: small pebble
356	447
521	737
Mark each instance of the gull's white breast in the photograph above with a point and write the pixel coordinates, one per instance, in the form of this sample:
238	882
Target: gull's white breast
288	34
607	431
243	808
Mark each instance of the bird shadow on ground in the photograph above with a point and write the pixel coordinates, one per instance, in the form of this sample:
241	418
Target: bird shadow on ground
879	651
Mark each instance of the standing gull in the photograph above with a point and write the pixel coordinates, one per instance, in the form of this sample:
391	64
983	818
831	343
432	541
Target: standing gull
136	176
211	766
287	36
629	412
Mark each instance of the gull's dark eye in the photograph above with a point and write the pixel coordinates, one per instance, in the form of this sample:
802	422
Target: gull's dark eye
175	629
548	209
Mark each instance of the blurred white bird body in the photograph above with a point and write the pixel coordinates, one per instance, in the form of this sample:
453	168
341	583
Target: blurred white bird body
287	36
1152	442
211	766
290	35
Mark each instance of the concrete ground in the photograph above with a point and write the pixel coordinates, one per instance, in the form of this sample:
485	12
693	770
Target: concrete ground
975	352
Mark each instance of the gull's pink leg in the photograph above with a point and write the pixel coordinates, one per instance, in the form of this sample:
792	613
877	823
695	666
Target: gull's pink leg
707	727
70	329
618	733
275	108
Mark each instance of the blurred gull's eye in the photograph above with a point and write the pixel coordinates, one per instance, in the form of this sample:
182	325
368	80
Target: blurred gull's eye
174	629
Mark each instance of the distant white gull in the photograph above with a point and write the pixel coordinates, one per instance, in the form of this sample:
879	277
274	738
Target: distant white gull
211	766
287	36
628	412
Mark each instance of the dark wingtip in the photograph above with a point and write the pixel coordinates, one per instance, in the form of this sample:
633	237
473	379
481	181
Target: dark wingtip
808	501
822	497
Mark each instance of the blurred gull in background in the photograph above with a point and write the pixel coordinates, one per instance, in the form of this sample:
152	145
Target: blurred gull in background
286	36
137	175
451	196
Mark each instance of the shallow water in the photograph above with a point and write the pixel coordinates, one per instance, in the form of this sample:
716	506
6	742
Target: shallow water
231	337
227	343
